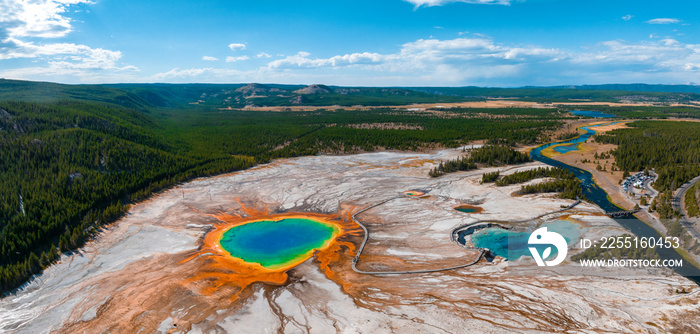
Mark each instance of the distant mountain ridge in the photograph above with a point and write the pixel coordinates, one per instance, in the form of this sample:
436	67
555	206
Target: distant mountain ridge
635	87
147	96
600	93
31	91
256	88
640	87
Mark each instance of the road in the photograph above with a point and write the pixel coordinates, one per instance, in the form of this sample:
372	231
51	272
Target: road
677	205
647	185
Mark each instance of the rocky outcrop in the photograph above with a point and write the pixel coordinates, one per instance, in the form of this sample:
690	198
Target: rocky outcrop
256	89
346	91
296	100
314	89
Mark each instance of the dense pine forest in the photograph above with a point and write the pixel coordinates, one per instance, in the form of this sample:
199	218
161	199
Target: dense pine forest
671	148
564	181
488	155
280	134
540	172
568	188
691	201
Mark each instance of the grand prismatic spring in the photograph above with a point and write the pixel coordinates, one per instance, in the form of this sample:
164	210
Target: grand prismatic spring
261	247
279	243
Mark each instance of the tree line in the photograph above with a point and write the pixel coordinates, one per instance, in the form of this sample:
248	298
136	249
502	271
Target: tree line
490	177
691	201
536	173
489	155
568	188
293	133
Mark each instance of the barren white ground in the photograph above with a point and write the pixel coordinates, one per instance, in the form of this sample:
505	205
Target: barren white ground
483	298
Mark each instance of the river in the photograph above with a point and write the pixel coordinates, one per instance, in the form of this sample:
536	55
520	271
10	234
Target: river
599	197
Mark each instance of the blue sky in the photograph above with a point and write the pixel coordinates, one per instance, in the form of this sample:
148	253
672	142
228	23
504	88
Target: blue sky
362	43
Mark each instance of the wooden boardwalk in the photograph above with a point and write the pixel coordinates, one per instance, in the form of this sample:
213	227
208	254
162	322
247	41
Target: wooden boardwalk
453	236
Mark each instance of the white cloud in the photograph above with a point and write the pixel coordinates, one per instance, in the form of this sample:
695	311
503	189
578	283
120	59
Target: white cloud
663	21
37	18
424	53
67	62
431	61
481	61
302	60
208	74
63	58
471	50
71	75
237	46
665	60
430	3
627	17
235	59
220	75
180	73
208	58
66	54
22	22
262	55
473	61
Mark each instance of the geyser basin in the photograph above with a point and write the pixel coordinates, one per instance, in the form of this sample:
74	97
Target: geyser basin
278	243
414	193
512	244
469	209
